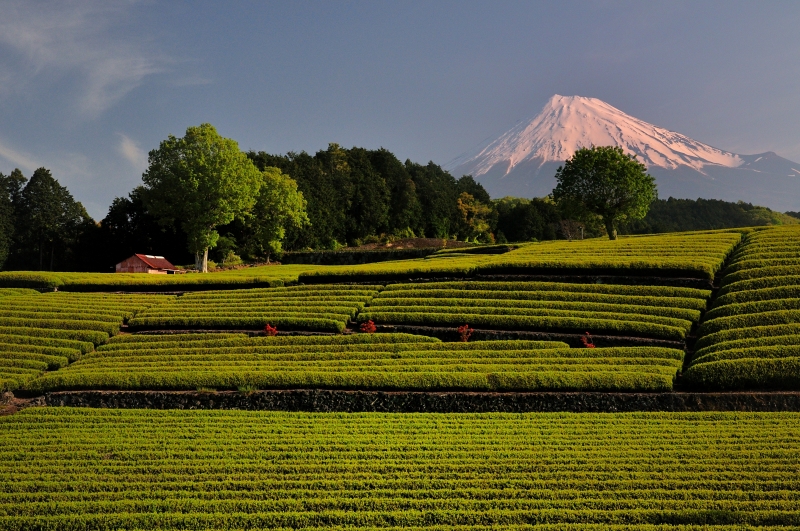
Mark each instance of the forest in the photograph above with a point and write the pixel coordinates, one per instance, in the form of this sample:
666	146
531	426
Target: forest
353	196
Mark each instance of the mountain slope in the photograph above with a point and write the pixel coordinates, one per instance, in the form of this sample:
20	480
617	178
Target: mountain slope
523	160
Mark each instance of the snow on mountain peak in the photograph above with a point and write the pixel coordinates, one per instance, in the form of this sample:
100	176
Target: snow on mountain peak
567	123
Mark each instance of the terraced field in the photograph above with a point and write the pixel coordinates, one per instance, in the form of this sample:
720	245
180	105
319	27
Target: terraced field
641	311
321	308
363	361
145	469
751	336
692	255
40	332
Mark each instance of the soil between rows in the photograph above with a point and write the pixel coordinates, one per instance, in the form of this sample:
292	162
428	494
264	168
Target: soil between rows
315	400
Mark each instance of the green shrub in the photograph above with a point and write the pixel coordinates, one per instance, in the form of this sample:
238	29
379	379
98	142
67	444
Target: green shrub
779	317
748	373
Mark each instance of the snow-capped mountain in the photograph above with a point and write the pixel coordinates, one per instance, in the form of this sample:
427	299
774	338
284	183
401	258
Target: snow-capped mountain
523	160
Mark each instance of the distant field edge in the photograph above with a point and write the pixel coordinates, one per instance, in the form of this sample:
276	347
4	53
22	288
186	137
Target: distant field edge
310	400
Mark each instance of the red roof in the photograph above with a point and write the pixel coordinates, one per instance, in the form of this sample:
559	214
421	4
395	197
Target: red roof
155	262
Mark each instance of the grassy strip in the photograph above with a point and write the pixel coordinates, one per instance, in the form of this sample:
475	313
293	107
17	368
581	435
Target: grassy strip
47	313
764	294
17	292
737	334
760	283
505	381
253	323
751	342
540	312
763	262
416	353
779	317
743	308
748	373
597	325
46	361
66	353
386	304
285	340
763	273
759	352
568	296
212	351
107	328
615	289
81	346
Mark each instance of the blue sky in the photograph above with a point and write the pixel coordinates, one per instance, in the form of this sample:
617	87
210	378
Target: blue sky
88	88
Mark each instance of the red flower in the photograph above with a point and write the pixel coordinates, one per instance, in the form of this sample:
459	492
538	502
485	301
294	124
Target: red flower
465	332
587	340
368	327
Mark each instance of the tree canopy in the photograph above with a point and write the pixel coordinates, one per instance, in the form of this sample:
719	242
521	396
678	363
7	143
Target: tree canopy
279	205
202	180
606	181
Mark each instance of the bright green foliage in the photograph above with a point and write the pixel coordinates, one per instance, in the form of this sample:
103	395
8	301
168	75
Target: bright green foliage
751	338
201	180
279	204
106	470
644	311
692	255
365	361
45	332
321	308
605	181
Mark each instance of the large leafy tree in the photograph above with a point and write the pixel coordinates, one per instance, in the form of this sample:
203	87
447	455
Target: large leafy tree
605	181
200	181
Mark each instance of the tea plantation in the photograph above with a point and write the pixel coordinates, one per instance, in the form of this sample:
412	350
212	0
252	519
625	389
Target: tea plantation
703	312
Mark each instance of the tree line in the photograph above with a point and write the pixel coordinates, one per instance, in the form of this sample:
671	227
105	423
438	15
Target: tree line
201	196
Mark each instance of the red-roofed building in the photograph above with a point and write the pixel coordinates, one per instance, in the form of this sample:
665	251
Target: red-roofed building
146	263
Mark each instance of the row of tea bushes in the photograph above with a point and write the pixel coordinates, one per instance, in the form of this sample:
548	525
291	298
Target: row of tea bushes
691	255
751	336
362	361
316	308
41	332
643	311
104	470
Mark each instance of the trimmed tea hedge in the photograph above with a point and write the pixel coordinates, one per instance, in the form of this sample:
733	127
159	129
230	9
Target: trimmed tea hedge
313	308
645	311
751	339
365	361
106	470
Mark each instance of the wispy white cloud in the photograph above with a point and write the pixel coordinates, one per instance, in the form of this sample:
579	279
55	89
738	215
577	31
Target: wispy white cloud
58	42
17	158
131	151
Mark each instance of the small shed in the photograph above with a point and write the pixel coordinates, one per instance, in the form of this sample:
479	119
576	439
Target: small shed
146	263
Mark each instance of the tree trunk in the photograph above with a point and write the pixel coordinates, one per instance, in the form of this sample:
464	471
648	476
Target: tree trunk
205	260
612	232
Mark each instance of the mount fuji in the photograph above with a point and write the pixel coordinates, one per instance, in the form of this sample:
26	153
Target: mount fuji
522	162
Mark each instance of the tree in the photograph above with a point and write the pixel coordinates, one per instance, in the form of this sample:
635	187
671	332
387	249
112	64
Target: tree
607	182
202	181
474	214
49	221
128	228
279	205
6	220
